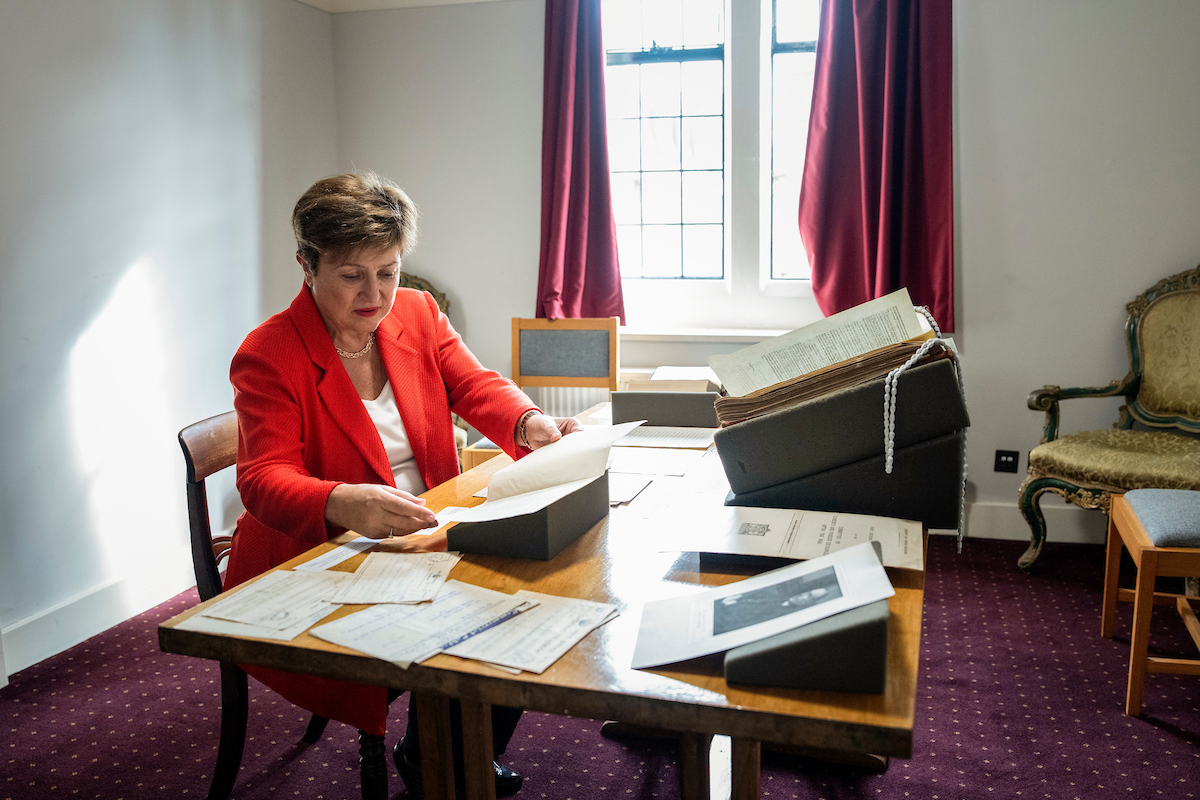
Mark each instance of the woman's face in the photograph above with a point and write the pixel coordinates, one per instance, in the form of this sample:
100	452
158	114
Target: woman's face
354	292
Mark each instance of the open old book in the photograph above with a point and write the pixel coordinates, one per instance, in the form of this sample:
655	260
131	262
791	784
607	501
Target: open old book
843	350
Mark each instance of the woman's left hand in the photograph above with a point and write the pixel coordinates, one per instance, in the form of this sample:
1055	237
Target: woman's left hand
541	430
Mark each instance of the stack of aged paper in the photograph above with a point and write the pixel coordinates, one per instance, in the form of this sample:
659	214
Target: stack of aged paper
857	345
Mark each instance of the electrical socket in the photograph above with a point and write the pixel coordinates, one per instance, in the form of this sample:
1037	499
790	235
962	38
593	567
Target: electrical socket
1006	460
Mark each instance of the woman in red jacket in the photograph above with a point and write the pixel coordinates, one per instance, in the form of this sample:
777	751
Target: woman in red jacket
344	404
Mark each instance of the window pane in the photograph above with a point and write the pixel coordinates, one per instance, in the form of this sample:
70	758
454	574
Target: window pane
627	197
702	143
621	90
629	250
791	100
622	24
660	90
703	199
703	23
662	23
660	246
660	197
703	251
660	144
623	143
701	88
795	21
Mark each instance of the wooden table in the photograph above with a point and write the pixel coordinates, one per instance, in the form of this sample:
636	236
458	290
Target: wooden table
594	679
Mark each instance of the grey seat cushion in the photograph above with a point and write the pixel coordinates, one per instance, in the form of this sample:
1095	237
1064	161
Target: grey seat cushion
1171	517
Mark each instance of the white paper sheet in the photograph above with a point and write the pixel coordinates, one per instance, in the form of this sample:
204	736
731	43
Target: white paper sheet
729	616
623	487
278	600
574	457
664	436
199	622
517	505
397	578
866	327
652	460
405	635
788	533
338	554
537	638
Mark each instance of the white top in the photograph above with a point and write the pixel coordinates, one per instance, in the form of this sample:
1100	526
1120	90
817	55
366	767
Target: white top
386	416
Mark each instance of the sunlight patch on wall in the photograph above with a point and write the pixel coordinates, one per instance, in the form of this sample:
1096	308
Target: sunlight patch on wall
119	379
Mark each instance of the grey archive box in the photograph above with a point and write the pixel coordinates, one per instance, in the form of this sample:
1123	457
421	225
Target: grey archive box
667	409
925	485
846	652
843	427
541	535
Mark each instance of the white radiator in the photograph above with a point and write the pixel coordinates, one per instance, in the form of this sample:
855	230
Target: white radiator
566	401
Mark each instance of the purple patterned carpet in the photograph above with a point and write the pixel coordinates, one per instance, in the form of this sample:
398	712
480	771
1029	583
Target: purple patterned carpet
1019	698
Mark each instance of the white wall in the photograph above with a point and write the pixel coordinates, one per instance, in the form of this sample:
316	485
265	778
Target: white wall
131	190
447	102
1078	187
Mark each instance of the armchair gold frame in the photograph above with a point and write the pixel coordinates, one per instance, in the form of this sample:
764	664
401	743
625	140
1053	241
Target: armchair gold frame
1161	391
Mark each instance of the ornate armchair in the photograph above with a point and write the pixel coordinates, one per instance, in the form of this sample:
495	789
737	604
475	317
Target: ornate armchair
1161	391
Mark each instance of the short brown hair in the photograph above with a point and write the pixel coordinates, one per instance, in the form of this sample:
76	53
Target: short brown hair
349	212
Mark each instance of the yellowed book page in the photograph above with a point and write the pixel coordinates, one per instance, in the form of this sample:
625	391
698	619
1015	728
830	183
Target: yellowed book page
866	327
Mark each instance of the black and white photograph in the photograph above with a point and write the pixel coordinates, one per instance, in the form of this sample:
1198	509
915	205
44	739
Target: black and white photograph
737	611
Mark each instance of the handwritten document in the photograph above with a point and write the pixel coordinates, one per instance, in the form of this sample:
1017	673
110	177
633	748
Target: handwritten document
405	635
397	578
537	638
861	329
278	600
338	554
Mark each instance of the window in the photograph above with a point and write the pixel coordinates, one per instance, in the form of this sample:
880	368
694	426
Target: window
708	105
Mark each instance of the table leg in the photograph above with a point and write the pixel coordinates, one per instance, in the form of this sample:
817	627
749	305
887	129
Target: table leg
437	760
693	766
480	777
746	762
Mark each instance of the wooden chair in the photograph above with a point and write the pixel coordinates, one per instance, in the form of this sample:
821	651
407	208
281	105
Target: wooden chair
565	352
1161	530
1162	391
210	446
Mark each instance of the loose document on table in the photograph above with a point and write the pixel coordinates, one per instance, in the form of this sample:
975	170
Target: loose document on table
283	604
787	533
738	613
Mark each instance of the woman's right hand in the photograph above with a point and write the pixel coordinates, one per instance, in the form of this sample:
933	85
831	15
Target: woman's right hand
377	511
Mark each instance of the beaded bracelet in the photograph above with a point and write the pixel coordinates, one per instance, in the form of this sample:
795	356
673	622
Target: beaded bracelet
522	438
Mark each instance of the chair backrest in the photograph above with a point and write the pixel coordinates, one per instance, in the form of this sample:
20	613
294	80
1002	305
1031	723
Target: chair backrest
565	352
208	446
410	281
1163	337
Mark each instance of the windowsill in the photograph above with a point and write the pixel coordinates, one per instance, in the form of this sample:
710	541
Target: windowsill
709	335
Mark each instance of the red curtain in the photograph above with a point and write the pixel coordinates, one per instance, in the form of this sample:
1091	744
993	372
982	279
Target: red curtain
578	273
876	200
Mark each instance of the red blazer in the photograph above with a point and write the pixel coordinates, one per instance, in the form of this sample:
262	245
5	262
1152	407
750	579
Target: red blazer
302	430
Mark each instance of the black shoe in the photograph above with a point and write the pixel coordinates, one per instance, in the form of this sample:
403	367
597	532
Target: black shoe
410	772
508	781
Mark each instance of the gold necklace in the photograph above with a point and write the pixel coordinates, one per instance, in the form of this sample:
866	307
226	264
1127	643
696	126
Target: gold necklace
360	353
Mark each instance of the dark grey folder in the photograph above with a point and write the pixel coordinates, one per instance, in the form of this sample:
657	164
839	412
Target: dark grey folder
843	427
667	409
925	485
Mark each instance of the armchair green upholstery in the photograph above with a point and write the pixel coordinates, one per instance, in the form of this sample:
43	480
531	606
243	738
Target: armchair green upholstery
1161	391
